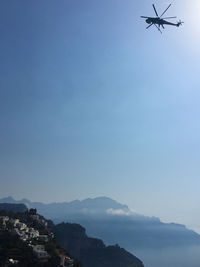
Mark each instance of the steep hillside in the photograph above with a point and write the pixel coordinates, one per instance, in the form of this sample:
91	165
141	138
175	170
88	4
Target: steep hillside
92	252
27	239
23	233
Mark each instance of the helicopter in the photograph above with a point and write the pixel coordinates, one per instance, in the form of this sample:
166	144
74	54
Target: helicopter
160	21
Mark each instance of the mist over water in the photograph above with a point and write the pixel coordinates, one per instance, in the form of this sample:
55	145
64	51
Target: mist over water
187	256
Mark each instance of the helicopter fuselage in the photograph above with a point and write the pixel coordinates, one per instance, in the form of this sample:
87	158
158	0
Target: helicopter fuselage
159	21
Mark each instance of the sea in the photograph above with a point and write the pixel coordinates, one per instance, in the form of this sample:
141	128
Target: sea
187	256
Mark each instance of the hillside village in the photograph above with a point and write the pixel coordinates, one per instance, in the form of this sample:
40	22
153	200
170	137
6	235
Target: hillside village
27	239
33	230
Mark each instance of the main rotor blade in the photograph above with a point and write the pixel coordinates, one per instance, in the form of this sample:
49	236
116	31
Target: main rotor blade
157	28
170	18
155	10
144	17
149	26
165	10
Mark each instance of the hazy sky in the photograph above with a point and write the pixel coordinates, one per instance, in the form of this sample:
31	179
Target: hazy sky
92	104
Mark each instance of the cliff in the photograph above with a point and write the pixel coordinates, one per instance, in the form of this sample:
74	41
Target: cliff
91	251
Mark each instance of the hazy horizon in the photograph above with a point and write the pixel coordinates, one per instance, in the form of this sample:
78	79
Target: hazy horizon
93	104
197	229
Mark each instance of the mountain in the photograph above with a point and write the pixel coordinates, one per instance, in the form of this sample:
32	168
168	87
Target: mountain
114	223
91	251
75	209
17	242
58	211
13	207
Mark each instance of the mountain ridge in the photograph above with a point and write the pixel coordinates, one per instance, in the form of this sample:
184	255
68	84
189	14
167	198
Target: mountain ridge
108	205
113	222
10	199
90	251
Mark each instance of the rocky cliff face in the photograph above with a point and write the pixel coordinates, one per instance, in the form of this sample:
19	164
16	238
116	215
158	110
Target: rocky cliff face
90	251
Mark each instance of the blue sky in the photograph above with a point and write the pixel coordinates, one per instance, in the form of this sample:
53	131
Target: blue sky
92	104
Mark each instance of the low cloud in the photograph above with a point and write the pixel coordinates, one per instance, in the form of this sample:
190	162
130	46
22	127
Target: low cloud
119	212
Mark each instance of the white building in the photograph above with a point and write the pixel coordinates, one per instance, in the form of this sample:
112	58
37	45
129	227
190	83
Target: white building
66	261
14	221
33	233
11	261
40	252
21	226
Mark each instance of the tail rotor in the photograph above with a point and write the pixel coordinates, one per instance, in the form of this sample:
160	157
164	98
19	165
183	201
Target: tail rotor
179	23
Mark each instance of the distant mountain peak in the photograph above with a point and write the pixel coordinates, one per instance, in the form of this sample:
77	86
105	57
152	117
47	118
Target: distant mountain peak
104	202
25	200
98	199
8	199
101	200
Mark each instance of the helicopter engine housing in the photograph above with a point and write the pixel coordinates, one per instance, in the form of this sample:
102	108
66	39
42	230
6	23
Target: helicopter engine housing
148	21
